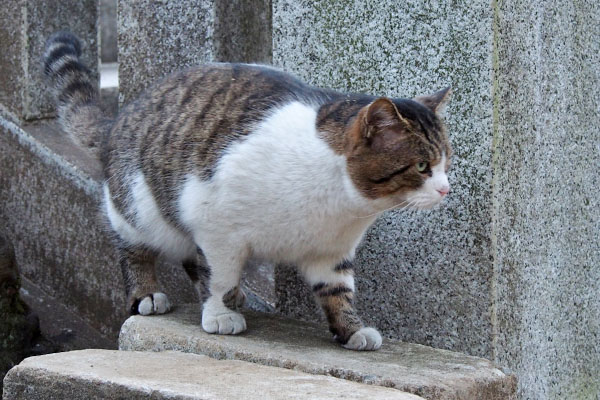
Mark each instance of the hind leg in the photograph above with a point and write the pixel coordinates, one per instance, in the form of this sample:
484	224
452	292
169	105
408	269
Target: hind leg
143	294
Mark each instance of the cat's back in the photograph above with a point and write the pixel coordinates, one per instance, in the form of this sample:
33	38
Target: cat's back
183	124
192	115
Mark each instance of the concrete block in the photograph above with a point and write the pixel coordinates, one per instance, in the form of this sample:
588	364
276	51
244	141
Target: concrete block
105	374
24	27
49	198
509	267
308	347
157	38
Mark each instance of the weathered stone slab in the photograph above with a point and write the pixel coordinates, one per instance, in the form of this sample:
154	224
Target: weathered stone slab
307	347
545	198
49	207
105	374
24	27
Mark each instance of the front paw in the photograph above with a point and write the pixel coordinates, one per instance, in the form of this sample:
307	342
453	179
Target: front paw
153	303
364	339
228	323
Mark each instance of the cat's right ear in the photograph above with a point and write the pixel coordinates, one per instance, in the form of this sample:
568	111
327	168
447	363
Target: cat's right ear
437	101
381	114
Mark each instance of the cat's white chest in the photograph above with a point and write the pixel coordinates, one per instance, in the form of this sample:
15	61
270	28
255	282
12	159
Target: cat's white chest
282	192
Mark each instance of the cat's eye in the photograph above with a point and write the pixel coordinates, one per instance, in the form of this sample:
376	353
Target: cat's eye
422	166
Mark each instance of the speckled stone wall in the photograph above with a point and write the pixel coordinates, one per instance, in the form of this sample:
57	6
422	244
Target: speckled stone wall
157	38
24	27
424	277
508	268
545	201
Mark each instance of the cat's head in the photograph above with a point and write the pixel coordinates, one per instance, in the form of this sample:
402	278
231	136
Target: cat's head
398	151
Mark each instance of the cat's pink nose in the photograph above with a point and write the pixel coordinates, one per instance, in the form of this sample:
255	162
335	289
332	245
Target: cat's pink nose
443	191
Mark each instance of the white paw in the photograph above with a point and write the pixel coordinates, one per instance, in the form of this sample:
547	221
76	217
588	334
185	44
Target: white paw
157	303
228	323
364	339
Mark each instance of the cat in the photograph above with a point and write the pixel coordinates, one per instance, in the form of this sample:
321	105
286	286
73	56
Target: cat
221	163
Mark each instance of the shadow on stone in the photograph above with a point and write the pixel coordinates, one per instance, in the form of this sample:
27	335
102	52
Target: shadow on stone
19	326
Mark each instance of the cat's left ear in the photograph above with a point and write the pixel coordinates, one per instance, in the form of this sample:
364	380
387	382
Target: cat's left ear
437	101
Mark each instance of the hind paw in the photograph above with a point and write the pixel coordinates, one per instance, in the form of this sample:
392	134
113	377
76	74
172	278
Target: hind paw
154	303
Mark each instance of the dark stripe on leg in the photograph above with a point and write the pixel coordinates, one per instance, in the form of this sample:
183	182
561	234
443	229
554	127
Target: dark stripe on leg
199	272
337	305
334	291
318	286
191	268
343	266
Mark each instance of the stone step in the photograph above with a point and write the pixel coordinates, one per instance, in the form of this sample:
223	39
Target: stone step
110	374
276	341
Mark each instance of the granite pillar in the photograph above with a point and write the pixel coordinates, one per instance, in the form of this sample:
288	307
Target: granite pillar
157	38
24	27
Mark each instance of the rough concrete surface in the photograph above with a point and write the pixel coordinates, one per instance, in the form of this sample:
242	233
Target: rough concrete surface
51	216
287	343
63	327
105	374
24	27
158	38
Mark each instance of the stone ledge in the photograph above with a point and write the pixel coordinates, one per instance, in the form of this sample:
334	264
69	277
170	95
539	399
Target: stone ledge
281	342
106	374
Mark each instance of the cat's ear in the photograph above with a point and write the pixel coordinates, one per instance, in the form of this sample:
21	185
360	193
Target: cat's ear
437	101
381	114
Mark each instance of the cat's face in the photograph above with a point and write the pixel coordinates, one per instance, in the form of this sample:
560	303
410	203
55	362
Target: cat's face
399	153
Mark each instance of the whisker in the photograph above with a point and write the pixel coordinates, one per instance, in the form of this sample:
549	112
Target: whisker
406	205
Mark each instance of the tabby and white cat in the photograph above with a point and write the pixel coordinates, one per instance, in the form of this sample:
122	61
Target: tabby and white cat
225	162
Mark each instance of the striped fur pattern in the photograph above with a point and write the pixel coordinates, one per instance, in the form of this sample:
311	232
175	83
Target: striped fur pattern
77	96
222	163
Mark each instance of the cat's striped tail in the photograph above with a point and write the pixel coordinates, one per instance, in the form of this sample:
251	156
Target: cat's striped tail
76	93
